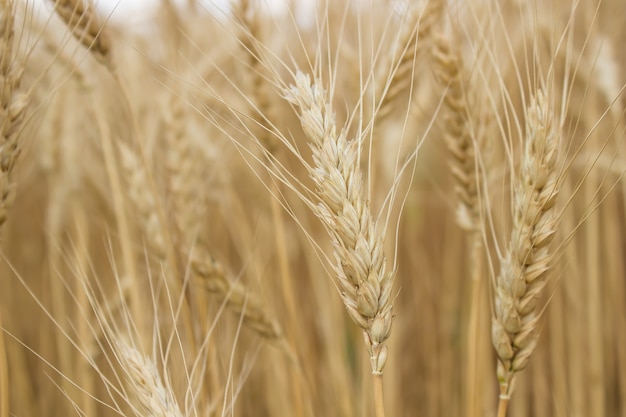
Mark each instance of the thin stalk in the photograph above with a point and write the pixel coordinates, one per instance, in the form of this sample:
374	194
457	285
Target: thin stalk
503	403
288	293
127	253
378	395
4	376
473	338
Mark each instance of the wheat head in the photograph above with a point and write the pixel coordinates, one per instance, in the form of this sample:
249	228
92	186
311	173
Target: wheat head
364	281
525	268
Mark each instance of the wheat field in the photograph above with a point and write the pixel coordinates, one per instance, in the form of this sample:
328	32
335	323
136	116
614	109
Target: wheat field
314	208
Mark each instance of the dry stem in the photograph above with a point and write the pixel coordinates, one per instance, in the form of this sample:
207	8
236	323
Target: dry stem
4	375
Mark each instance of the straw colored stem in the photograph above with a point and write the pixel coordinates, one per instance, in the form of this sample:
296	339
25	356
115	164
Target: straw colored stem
4	375
378	395
472	359
128	261
80	260
503	404
288	295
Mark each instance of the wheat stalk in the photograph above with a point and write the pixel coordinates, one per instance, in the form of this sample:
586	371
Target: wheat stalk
364	281
524	270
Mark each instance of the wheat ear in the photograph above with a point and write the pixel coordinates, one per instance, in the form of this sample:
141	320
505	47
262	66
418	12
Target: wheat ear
259	88
82	20
12	105
143	200
461	117
182	173
238	298
364	281
398	70
150	395
524	270
210	273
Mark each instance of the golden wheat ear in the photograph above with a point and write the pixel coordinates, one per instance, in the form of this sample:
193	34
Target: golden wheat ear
464	130
81	19
526	265
413	40
13	104
364	281
150	394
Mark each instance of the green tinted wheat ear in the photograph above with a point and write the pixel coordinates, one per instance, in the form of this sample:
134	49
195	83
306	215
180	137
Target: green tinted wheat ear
364	281
12	108
525	268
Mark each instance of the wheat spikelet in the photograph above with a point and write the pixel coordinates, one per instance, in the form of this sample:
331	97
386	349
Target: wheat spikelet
364	281
86	27
12	108
524	270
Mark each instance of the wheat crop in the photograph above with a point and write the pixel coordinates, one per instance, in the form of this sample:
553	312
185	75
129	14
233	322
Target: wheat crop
254	208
